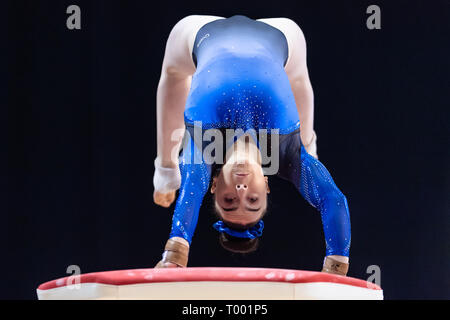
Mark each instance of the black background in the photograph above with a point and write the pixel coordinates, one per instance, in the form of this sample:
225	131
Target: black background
80	128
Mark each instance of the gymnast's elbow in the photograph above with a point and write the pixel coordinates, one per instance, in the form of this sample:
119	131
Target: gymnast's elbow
335	199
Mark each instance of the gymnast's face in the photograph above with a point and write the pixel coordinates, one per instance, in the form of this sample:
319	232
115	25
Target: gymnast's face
240	192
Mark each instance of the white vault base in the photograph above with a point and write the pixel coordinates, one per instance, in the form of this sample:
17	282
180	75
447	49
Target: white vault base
209	284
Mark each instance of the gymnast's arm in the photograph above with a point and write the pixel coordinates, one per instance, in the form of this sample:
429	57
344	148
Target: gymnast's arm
297	72
195	179
172	92
318	188
170	173
316	185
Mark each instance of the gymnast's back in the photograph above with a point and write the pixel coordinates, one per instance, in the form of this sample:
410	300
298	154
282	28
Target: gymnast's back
239	36
240	80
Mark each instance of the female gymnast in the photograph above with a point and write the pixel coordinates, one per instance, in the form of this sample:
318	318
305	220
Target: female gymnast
249	75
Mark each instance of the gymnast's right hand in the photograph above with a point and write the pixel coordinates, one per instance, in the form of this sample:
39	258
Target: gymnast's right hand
162	264
163	199
175	255
166	181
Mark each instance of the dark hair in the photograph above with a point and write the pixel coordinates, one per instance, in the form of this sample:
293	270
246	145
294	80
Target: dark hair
238	245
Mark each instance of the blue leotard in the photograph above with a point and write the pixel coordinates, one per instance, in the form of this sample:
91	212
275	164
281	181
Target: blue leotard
240	83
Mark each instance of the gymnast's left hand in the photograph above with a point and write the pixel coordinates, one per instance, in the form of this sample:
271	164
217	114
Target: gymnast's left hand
163	199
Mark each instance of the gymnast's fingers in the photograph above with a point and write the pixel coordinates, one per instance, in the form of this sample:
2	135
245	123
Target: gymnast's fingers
164	199
162	264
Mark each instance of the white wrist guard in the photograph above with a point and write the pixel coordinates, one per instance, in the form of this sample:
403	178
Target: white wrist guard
166	180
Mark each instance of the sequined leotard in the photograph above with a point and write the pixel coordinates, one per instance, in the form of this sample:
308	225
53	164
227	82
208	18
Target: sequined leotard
240	82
